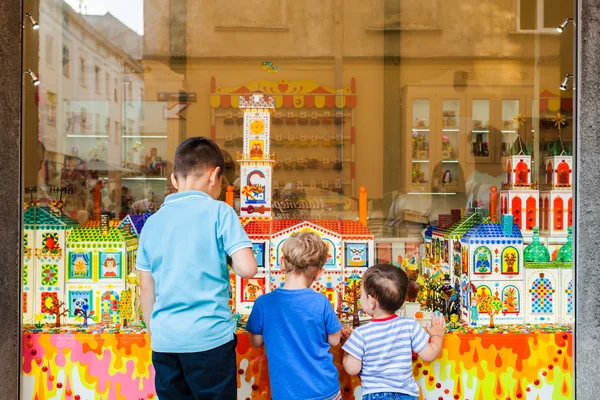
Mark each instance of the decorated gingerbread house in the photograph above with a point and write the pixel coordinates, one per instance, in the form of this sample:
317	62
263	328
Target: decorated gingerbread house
99	261
493	285
45	232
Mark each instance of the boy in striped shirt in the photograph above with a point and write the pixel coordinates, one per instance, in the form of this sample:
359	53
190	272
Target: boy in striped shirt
381	351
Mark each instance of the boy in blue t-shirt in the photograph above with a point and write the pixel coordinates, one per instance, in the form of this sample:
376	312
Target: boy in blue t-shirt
298	326
182	259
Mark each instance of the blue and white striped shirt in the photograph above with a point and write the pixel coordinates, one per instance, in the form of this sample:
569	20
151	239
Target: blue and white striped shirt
384	347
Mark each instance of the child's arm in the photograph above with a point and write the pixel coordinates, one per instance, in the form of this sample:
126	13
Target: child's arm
244	263
352	365
436	331
147	296
334	338
355	351
256	340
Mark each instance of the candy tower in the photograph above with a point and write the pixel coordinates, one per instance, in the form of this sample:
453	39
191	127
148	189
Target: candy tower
519	195
256	161
556	196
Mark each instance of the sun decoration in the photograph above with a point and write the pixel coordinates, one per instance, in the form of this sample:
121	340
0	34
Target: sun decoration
50	242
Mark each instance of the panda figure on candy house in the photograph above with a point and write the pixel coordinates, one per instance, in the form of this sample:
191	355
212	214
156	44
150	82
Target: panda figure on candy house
351	245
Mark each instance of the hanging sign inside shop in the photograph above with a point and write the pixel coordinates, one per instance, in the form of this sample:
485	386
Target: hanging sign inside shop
173	111
180	97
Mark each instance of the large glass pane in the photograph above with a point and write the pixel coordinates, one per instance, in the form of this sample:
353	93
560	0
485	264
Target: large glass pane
401	132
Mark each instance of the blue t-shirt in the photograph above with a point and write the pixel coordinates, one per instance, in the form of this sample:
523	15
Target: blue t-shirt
185	246
295	324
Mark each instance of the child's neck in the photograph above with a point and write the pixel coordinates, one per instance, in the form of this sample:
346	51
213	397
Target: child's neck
193	183
297	281
378	313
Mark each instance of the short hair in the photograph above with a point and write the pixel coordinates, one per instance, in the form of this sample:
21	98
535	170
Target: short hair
303	252
387	284
194	156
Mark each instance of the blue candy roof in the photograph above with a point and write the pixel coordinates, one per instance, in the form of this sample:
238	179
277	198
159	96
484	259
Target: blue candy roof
136	222
429	231
492	231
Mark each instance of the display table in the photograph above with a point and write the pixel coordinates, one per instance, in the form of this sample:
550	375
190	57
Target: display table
521	363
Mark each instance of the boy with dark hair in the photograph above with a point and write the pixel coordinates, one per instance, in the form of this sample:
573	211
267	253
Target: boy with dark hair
298	326
381	350
182	259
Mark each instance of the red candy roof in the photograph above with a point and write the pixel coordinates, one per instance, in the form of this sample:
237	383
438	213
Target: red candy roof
343	228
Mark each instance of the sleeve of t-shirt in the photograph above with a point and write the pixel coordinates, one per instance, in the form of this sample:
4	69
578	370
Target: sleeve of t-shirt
355	345
142	262
231	232
332	323
255	321
419	337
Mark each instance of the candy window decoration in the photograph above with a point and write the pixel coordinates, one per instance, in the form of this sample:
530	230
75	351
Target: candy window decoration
50	244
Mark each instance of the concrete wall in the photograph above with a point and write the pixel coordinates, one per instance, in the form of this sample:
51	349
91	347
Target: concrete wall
587	218
10	199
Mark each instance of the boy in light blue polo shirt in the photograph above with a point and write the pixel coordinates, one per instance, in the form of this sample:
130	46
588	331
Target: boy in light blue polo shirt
298	326
182	259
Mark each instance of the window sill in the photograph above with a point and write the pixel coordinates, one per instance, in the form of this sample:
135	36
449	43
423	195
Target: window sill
380	28
246	28
535	32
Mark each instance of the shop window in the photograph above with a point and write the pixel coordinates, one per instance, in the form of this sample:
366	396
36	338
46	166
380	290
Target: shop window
82	71
97	79
66	61
116	90
51	108
49	51
107	83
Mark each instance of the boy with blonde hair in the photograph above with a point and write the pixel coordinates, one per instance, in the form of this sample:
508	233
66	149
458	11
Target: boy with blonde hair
298	325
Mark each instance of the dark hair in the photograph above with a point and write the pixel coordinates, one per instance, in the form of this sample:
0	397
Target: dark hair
195	155
387	284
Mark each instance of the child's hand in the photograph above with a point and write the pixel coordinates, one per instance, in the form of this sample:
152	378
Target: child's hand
346	332
438	326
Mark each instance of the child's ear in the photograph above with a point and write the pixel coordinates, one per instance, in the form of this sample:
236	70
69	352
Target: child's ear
174	181
214	175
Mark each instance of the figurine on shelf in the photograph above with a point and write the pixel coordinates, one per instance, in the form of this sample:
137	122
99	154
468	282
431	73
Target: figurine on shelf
98	153
418	176
447	149
447	178
278	141
153	164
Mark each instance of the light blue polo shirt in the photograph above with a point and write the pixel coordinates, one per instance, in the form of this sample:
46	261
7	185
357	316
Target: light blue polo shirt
185	246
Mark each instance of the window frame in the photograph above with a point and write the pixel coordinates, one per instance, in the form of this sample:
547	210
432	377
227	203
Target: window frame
539	21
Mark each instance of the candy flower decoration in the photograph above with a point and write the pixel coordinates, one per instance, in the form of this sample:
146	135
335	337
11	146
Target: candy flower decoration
39	318
559	121
248	192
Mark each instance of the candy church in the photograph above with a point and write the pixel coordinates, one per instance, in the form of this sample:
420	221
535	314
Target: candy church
350	243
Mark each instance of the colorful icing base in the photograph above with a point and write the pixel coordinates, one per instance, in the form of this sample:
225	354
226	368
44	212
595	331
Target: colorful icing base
117	366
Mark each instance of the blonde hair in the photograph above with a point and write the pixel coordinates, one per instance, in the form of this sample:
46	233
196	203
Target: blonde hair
303	252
